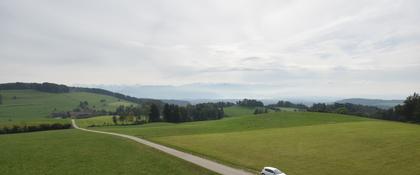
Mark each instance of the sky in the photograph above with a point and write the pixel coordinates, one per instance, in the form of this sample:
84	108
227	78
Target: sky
336	48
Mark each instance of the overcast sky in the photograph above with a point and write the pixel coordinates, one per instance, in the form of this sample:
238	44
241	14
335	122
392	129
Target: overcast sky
313	48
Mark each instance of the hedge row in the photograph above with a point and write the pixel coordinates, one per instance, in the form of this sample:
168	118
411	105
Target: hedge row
33	128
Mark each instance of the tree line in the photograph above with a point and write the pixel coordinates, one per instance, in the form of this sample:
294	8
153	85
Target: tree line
409	111
250	103
260	110
289	104
222	104
131	114
33	128
168	113
44	87
347	108
199	112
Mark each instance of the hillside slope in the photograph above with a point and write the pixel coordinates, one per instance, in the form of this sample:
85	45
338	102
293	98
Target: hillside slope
295	142
30	104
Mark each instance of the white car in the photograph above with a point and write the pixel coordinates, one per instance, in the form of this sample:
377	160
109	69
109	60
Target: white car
271	171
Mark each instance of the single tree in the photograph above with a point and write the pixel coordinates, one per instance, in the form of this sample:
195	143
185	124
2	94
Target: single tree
114	119
122	118
1	99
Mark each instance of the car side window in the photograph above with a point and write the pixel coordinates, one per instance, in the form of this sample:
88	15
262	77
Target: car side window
268	170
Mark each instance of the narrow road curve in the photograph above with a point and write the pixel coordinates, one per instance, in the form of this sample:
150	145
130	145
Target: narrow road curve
208	164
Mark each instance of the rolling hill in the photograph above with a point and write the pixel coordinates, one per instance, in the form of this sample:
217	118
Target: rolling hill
71	151
29	101
33	104
384	104
295	142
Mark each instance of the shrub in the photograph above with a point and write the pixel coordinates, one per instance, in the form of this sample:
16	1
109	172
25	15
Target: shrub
56	126
32	128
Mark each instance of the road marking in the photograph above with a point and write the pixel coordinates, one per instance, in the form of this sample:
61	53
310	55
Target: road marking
205	163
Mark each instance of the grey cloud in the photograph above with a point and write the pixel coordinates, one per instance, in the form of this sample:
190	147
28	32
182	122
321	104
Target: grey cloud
189	41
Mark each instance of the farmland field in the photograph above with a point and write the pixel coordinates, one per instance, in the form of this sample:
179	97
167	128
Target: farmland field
288	109
31	104
296	142
77	152
234	124
234	111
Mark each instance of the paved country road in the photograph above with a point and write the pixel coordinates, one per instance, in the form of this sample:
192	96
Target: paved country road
208	164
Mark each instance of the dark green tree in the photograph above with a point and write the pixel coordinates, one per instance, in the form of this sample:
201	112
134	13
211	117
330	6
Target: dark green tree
83	105
250	103
122	118
410	110
319	107
175	114
1	99
260	110
166	112
114	119
154	115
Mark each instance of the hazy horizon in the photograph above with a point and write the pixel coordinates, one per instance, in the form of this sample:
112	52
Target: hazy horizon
227	91
259	49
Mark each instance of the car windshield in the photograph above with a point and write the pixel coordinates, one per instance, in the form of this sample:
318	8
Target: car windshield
276	171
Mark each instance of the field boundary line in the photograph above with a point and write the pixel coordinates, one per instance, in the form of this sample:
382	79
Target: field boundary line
205	163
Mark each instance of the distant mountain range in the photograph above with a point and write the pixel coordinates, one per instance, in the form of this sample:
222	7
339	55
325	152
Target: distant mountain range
207	92
230	92
384	104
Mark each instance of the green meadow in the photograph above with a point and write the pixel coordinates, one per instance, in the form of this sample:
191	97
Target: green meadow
288	109
233	111
343	148
72	151
234	124
295	142
31	104
77	152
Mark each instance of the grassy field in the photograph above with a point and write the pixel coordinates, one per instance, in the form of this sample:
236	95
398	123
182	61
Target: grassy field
287	109
234	111
77	152
101	120
296	142
30	104
345	148
233	124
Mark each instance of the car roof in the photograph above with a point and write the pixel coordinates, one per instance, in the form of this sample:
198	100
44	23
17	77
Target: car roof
271	168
